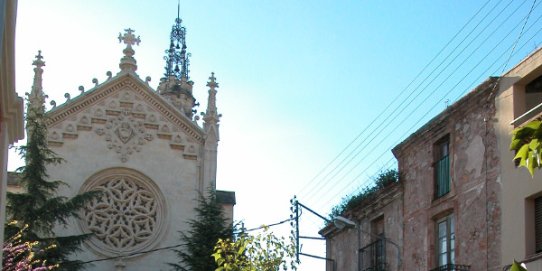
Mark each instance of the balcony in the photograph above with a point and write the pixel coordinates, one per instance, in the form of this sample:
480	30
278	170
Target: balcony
452	267
373	257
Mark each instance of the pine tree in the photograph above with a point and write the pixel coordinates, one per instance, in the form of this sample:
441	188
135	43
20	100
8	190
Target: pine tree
38	207
205	230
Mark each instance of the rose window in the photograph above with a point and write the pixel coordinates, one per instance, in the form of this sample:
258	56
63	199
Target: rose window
127	216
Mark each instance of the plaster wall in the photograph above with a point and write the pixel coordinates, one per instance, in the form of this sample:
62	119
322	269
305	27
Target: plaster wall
342	245
518	187
473	200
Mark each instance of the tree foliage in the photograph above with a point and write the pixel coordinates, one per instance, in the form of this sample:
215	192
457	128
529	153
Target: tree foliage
39	206
21	256
527	143
517	267
263	252
205	230
383	179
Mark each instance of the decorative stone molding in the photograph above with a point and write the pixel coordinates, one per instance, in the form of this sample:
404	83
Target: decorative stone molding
151	99
126	122
129	215
124	134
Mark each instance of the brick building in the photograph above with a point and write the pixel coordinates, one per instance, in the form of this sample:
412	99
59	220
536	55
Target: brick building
463	203
450	170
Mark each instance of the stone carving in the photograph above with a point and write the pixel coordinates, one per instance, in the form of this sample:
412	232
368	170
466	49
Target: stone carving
99	112
152	118
84	120
70	128
125	134
127	216
126	122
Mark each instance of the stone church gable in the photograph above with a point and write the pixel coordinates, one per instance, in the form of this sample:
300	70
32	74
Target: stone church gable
127	114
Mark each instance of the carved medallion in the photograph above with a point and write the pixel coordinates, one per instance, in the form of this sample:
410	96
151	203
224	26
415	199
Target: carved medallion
125	134
128	215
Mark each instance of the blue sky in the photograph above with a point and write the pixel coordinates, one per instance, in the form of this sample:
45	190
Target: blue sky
299	80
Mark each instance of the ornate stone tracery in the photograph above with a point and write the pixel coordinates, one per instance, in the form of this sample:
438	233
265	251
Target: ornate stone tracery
125	134
127	216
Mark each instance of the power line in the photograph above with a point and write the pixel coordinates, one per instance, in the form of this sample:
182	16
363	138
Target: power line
70	263
454	70
402	103
465	76
396	98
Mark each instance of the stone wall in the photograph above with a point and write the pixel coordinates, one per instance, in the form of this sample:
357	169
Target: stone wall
342	244
473	200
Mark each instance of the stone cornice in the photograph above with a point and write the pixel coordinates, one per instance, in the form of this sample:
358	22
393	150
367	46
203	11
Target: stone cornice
126	80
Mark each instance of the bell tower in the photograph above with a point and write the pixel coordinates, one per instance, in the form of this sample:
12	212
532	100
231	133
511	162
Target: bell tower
176	86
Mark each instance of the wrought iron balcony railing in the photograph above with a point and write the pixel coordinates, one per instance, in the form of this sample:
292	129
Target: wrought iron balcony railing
373	257
452	267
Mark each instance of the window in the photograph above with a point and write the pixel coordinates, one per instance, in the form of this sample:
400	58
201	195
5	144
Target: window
442	167
373	255
533	94
527	101
380	248
446	241
538	224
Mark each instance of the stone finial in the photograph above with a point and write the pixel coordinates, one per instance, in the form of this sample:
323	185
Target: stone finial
129	38
39	60
211	116
36	97
128	62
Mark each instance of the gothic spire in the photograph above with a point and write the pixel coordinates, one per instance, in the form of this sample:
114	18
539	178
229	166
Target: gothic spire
177	58
36	98
211	116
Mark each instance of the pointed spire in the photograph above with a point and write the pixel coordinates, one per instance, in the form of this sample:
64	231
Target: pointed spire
36	98
211	116
177	58
175	86
128	62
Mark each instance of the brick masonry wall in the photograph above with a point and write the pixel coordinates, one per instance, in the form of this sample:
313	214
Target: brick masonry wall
474	194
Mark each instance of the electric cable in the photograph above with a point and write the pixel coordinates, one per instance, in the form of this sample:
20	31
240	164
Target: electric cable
478	46
400	93
430	82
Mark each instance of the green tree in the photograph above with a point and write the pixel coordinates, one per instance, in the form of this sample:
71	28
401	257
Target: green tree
263	252
526	142
206	229
39	206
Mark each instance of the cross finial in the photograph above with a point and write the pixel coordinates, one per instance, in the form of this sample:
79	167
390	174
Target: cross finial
212	81
39	60
129	38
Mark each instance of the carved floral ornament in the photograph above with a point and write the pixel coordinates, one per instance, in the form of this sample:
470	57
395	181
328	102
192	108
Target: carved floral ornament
129	214
126	123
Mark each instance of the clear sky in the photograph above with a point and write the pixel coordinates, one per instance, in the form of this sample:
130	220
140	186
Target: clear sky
300	81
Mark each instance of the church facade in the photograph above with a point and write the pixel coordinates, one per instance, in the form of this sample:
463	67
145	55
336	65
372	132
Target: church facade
144	149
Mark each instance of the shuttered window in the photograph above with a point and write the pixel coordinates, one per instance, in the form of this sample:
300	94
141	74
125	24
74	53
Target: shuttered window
538	224
442	168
